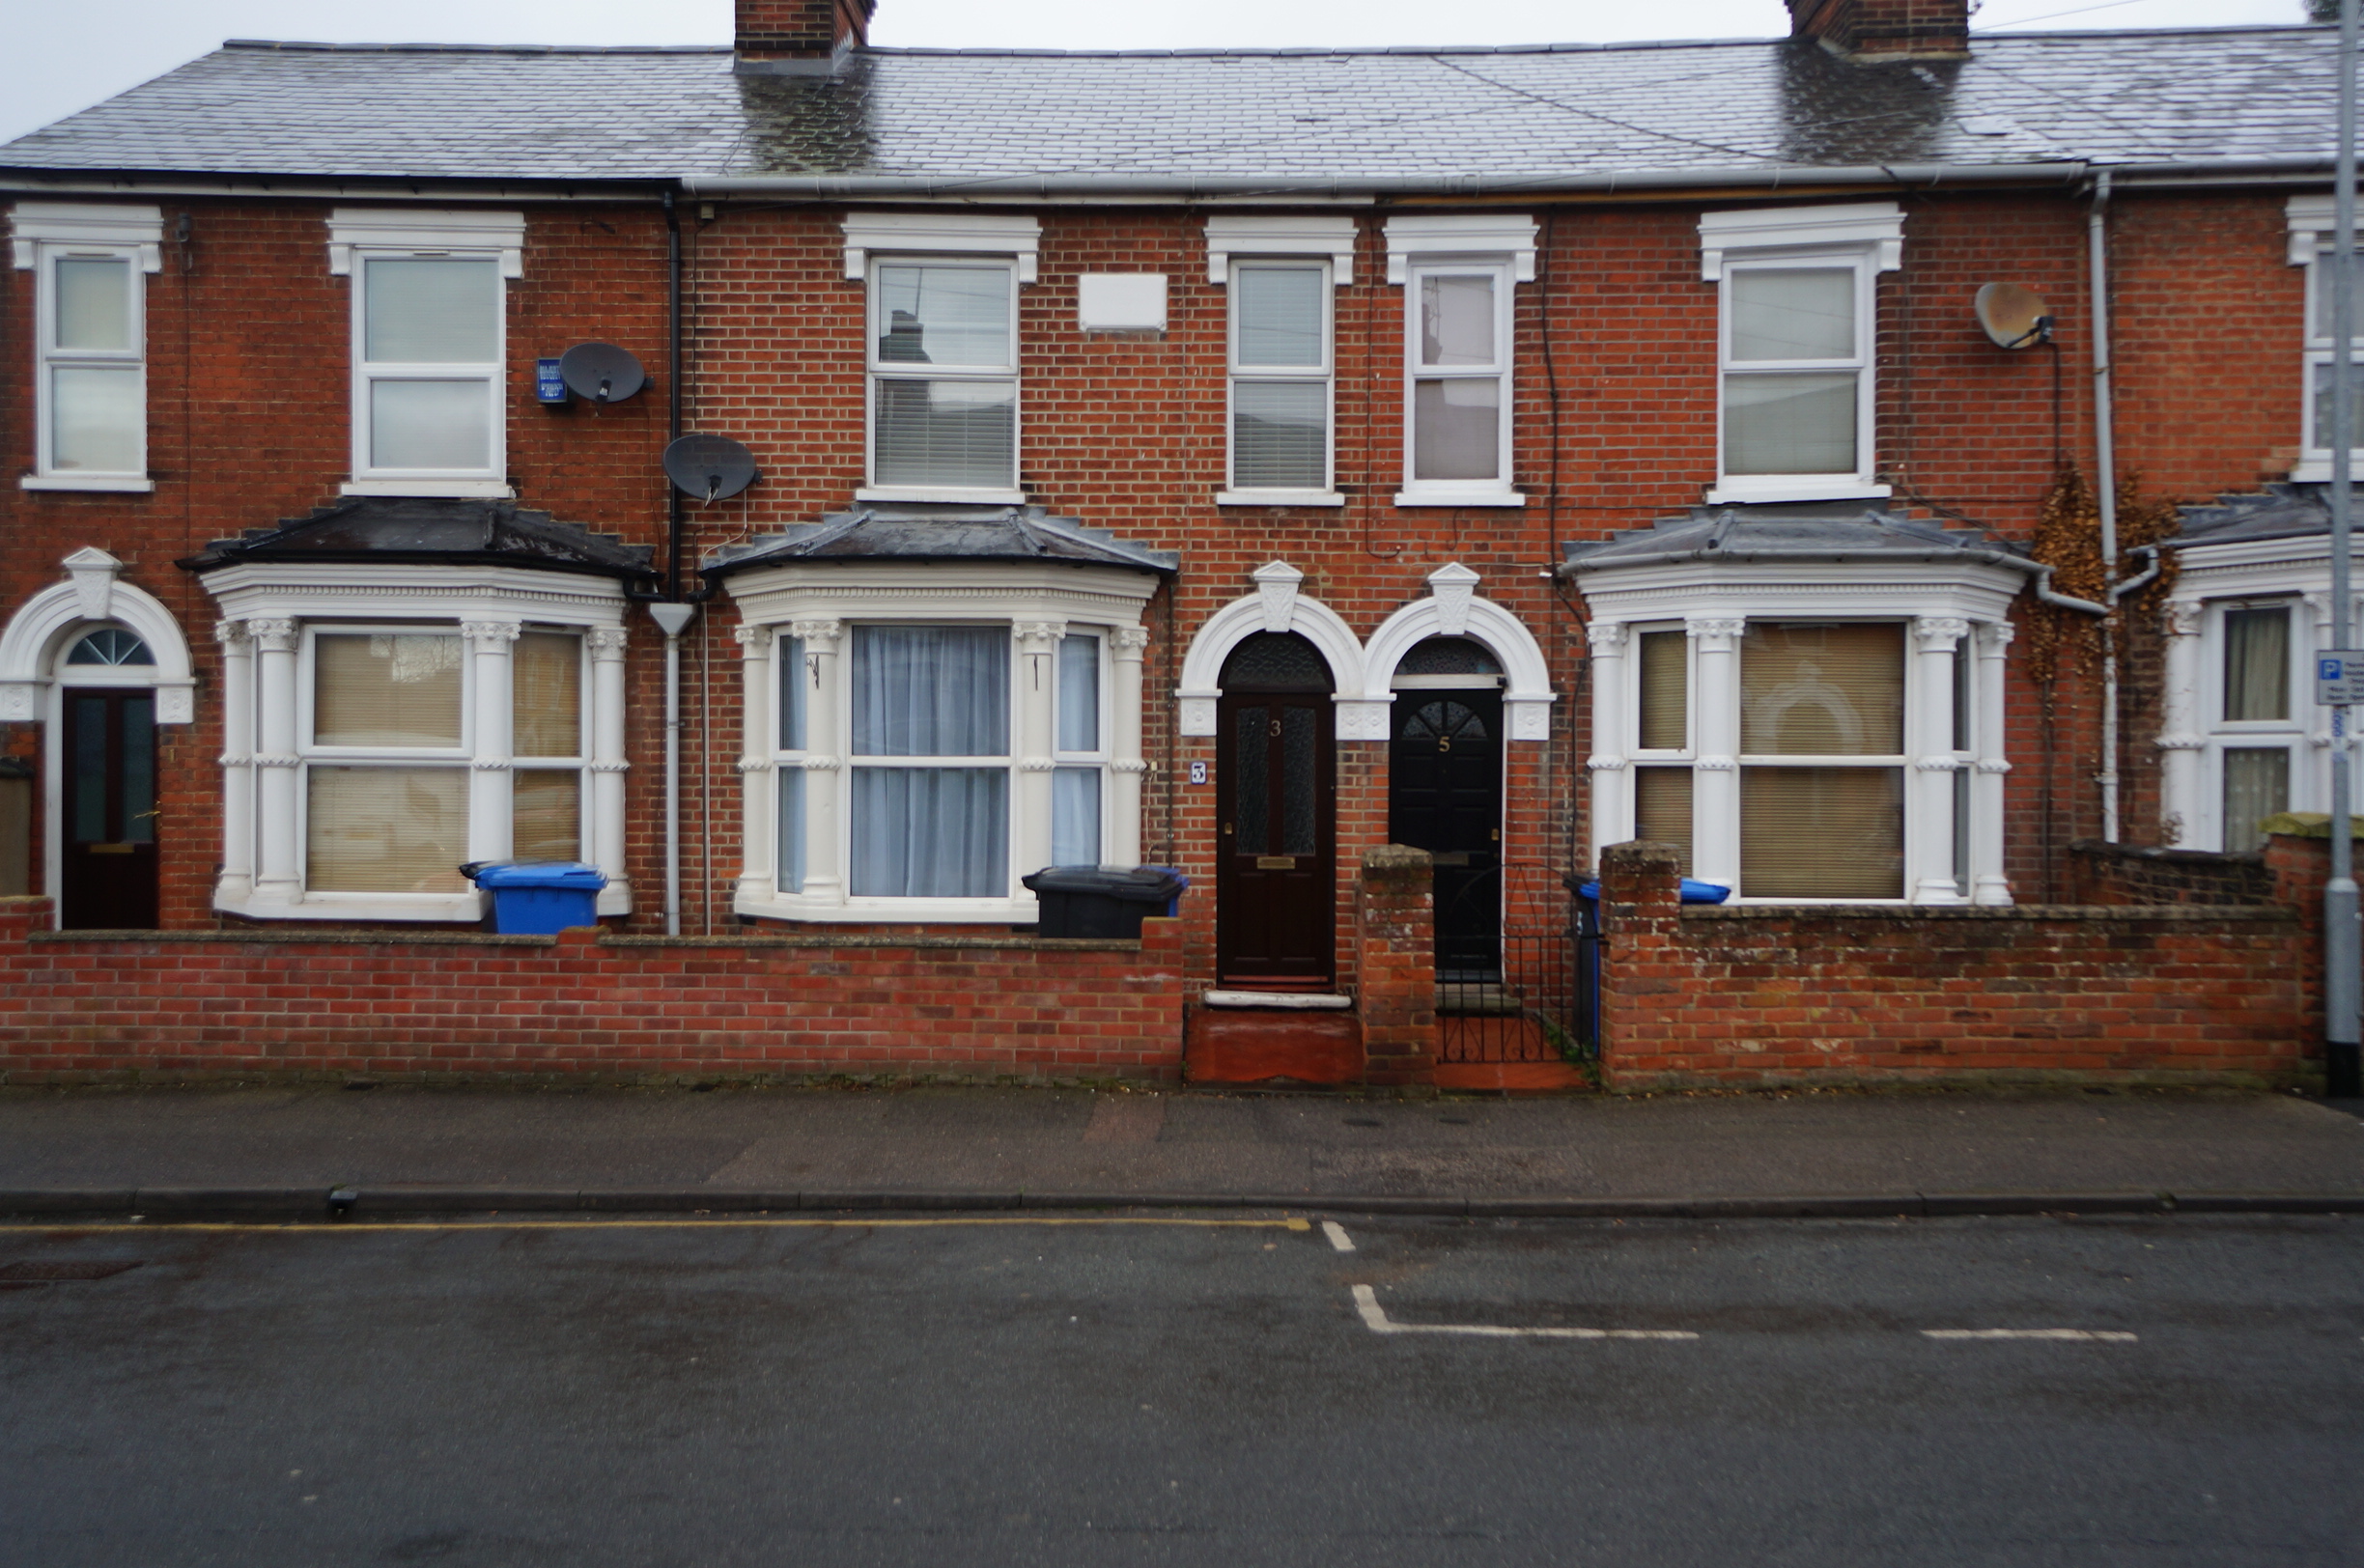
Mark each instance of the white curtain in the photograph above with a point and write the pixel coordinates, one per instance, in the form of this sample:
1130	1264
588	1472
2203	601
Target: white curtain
931	832
2257	665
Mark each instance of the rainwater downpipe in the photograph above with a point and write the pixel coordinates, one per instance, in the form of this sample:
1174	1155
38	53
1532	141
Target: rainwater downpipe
2105	485
673	615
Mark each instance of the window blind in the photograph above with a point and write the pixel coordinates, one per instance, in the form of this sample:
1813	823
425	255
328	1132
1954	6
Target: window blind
391	689
1665	691
1662	808
547	674
546	806
387	829
1809	690
1822	833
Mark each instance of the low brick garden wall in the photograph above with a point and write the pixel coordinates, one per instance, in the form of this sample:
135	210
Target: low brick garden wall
82	1006
1739	995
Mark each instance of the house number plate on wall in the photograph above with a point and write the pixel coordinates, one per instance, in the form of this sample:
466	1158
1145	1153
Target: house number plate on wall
2339	678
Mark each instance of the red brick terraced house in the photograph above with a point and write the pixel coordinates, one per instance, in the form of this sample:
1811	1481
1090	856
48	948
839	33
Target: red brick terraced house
1235	460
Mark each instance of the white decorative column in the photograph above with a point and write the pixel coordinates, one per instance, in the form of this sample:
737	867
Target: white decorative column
608	765
2180	742
825	741
1030	797
1127	647
491	809
1613	808
278	874
1988	883
236	884
758	714
1715	774
1929	740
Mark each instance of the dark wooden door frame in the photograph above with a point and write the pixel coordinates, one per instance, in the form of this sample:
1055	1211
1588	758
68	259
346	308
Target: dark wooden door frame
1276	925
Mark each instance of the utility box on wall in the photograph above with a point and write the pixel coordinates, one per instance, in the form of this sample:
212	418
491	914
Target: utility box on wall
16	828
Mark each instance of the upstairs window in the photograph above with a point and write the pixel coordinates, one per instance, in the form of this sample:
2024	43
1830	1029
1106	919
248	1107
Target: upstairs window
91	375
1795	335
430	337
1281	381
943	380
1459	273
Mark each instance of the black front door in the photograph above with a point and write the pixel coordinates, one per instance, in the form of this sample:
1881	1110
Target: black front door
1445	796
108	832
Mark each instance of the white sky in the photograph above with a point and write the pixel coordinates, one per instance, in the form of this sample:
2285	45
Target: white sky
57	56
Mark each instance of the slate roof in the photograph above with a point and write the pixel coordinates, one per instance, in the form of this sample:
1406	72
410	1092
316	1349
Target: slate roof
2278	512
439	532
942	533
1791	533
1472	119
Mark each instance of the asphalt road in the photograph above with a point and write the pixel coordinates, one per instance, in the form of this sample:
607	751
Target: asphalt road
1025	1391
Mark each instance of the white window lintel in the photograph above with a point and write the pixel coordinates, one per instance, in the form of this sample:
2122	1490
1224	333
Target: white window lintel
420	229
1876	226
976	233
32	224
2311	220
1231	234
1422	237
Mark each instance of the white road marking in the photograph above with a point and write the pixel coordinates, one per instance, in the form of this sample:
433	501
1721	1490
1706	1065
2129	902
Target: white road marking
1375	1319
1337	1236
2111	1337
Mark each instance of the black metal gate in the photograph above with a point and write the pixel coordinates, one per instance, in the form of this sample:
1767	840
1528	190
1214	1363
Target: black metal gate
1532	1005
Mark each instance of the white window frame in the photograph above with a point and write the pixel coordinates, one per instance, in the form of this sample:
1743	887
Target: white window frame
1097	758
358	235
820	606
2310	219
1233	494
1866	238
1949	615
876	371
43	234
272	615
2287	734
1424	244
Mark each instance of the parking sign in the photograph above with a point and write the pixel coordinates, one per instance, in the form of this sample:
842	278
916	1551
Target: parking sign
2339	678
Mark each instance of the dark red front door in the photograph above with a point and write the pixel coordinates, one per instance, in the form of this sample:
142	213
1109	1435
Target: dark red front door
1276	795
108	828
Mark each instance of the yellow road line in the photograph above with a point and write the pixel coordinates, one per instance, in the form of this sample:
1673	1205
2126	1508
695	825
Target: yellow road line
685	1223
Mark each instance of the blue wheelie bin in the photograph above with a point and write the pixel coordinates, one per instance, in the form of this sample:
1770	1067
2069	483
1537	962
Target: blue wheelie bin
539	897
1589	944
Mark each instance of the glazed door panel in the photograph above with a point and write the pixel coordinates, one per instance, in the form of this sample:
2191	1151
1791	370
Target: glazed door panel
107	810
1276	799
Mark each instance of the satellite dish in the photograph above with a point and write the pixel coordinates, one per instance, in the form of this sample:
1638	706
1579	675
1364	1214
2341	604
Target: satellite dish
709	467
2013	316
602	371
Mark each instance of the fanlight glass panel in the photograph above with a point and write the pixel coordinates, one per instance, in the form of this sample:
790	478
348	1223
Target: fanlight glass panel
110	645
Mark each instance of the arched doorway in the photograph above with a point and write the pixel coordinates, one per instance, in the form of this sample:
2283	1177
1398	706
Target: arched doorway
1445	778
1276	804
106	799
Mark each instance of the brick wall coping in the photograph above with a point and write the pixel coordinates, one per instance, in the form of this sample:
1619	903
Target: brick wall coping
478	939
2190	915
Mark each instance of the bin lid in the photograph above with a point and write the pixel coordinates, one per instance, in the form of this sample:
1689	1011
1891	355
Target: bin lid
1135	885
571	874
1693	892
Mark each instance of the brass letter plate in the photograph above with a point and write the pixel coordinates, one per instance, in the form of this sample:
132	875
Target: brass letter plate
1453	857
1275	862
108	849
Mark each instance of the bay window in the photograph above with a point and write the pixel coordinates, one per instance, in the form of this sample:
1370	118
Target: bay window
930	734
90	402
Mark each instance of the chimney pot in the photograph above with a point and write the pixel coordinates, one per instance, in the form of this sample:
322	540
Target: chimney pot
1876	30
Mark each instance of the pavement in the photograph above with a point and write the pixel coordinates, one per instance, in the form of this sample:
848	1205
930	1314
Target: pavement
330	1152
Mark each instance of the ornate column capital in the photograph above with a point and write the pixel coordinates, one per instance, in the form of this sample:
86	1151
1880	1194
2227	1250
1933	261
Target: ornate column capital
817	636
1708	631
2181	617
1994	637
232	634
607	641
1129	641
1039	636
754	642
1939	634
1606	637
273	635
490	637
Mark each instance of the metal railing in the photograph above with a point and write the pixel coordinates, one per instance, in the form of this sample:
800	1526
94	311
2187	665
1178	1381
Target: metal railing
1523	999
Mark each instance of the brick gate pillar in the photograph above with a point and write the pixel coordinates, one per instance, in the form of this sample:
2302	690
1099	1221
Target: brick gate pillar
1395	931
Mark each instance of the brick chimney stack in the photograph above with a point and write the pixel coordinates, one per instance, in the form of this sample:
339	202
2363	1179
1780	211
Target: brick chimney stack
1876	30
800	29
